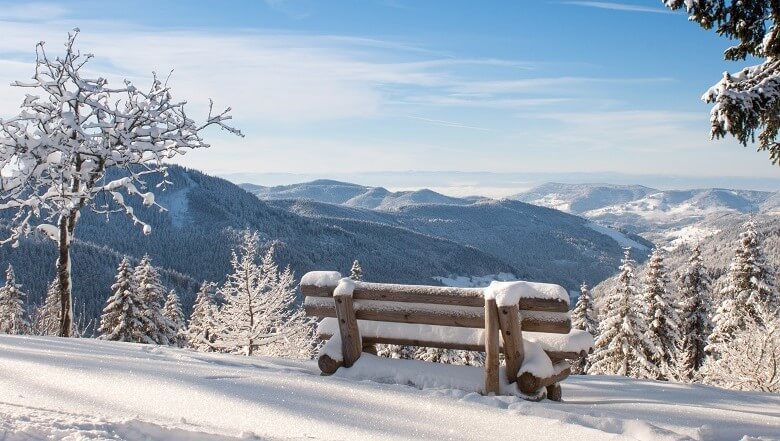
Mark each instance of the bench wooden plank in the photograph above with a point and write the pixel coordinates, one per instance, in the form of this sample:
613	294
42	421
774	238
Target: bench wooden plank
443	315
555	356
435	295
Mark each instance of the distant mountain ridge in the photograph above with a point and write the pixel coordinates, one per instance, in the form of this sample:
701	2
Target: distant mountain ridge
352	195
643	209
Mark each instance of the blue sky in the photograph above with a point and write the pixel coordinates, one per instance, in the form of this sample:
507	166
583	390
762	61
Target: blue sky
330	87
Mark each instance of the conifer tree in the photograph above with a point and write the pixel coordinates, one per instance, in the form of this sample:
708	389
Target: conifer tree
750	359
584	318
124	316
747	290
151	291
202	328
13	319
745	103
259	312
356	273
172	311
622	343
47	319
694	318
660	316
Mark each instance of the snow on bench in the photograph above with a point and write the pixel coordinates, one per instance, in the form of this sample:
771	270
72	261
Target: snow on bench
528	321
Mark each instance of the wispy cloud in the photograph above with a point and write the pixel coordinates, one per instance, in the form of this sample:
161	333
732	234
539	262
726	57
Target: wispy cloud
619	7
444	123
32	12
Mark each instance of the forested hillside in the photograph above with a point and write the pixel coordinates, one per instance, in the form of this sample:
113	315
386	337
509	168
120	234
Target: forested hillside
191	241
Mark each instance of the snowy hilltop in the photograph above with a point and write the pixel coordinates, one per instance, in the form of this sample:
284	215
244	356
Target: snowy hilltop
663	215
89	389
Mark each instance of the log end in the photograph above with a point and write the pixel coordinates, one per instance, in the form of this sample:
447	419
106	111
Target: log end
327	365
529	383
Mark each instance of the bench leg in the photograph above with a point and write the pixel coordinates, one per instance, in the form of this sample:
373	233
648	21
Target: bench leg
554	392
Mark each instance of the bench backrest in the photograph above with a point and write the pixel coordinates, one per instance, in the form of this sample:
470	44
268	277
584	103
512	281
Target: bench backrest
432	305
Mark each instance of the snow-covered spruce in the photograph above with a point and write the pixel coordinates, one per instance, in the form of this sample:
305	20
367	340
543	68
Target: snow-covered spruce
124	316
660	316
622	339
748	288
202	327
750	360
259	315
72	130
13	319
584	318
356	273
172	311
150	290
46	320
695	323
746	102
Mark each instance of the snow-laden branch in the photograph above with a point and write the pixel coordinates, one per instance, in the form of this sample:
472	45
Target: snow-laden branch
746	103
71	130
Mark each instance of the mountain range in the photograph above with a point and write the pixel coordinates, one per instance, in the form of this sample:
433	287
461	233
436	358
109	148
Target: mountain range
537	242
655	214
406	237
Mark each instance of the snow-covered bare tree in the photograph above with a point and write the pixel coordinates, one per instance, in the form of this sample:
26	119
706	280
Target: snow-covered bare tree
47	315
748	102
172	311
584	318
150	290
750	360
13	319
73	130
622	342
259	314
747	289
695	323
202	327
124	316
661	318
356	273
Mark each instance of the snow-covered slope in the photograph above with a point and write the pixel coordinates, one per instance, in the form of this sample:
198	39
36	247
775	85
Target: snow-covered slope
86	389
322	190
579	198
645	210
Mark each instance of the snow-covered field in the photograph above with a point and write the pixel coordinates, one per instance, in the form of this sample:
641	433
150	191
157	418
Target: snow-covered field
84	389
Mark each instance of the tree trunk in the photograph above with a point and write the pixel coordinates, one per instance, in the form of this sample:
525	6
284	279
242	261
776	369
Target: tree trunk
66	225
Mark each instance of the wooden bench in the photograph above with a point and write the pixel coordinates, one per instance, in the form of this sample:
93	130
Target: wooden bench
528	322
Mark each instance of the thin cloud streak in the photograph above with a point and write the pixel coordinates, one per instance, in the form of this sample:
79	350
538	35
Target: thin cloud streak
619	7
448	123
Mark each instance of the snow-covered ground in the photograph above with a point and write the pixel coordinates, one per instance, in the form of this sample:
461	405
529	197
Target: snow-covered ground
83	389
